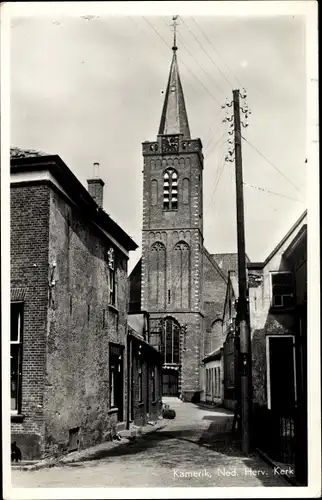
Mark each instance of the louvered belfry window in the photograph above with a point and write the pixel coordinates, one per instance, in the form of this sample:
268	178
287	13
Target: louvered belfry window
170	189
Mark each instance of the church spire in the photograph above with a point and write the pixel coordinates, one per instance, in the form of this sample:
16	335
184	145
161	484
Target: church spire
174	118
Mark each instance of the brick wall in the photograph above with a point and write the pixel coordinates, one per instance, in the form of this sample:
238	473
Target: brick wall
29	239
80	326
214	293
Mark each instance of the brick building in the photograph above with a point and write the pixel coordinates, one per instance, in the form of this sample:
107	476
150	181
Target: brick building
177	280
69	304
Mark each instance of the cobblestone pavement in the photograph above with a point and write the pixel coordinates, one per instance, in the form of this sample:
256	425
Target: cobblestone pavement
195	449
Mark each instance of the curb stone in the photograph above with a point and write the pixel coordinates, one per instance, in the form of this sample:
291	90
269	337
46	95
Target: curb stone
83	455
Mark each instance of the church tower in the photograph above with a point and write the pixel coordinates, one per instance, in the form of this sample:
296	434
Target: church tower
172	241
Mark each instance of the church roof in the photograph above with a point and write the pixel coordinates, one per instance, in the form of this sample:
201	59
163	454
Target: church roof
174	119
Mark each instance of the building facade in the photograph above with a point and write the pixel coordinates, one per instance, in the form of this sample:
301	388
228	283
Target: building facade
277	290
69	304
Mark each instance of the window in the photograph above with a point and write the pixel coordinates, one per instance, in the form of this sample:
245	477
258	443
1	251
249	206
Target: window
16	328
111	276
282	289
170	189
172	341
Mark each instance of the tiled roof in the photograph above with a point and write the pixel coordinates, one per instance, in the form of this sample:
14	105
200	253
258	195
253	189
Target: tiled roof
25	153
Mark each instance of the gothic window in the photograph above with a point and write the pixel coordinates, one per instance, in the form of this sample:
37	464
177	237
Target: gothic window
157	270
171	341
185	190
181	281
170	189
154	192
16	355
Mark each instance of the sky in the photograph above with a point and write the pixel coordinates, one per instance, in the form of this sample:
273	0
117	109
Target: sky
90	89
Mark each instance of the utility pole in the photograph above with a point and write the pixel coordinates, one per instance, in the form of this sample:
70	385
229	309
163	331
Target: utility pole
242	312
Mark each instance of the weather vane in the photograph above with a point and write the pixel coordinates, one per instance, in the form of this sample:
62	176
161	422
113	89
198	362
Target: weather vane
174	19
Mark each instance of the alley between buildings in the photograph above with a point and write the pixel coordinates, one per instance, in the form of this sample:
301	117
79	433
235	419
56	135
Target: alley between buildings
193	450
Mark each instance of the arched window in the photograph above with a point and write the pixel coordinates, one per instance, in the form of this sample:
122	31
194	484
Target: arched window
157	270
171	341
170	189
181	275
154	192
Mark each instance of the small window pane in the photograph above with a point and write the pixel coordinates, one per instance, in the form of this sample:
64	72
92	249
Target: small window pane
288	301
282	290
277	300
281	278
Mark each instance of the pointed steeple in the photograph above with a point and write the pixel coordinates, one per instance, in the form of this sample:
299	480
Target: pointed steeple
174	119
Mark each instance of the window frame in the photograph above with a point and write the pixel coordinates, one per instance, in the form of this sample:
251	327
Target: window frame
19	343
172	199
272	303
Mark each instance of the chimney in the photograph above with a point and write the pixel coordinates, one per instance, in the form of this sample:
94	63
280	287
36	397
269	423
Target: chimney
96	185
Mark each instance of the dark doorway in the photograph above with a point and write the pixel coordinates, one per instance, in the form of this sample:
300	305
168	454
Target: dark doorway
170	383
282	374
116	385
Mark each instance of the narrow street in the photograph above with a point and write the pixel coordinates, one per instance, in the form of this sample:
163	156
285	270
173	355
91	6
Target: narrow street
194	449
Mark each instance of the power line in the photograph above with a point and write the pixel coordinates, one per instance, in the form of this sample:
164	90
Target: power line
202	69
211	138
193	57
211	128
274	166
218	172
211	151
201	83
272	192
144	33
209	57
204	34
